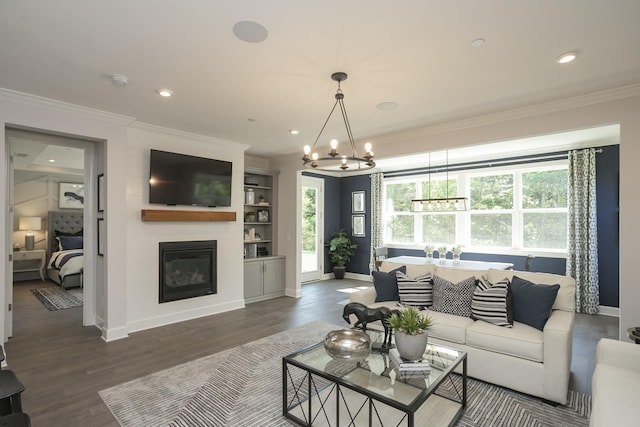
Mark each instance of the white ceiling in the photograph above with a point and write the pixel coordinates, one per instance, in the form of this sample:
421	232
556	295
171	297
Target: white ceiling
416	53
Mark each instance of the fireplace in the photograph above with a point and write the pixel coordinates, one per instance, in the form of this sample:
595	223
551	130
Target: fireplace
187	269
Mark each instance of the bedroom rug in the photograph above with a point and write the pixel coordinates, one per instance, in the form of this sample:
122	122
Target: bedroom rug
55	298
242	386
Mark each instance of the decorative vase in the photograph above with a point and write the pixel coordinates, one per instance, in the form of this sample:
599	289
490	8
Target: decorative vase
456	258
443	258
429	256
411	347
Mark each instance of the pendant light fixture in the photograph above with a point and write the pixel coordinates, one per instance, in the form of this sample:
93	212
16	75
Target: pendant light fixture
439	204
333	161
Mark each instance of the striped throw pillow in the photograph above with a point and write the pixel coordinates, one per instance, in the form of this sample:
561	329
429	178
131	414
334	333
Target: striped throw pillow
417	292
492	302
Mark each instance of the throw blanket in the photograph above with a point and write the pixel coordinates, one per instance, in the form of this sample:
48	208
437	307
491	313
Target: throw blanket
68	262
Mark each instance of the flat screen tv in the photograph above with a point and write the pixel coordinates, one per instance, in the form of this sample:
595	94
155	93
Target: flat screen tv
180	179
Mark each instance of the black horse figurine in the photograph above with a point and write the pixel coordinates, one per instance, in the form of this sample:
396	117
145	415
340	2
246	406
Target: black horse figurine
366	315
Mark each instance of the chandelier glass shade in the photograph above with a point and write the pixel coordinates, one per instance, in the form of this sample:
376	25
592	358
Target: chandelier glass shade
333	161
439	204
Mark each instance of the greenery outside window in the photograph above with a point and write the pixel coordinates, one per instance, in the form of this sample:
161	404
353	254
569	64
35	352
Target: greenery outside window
522	207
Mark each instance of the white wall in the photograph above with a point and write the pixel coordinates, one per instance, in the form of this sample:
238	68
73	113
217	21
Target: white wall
143	309
125	278
617	106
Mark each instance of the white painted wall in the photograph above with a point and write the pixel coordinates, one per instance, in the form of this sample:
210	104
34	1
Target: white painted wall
583	112
143	309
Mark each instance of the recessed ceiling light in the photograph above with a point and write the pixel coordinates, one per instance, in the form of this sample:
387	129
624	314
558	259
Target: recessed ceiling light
387	106
477	42
165	92
294	131
52	160
250	32
567	57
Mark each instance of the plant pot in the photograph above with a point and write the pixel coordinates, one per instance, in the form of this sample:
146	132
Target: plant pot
338	272
411	347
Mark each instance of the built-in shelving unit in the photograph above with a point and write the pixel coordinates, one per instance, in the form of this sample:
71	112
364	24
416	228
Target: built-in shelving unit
264	268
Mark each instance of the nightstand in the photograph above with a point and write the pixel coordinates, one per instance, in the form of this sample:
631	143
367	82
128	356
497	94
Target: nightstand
24	261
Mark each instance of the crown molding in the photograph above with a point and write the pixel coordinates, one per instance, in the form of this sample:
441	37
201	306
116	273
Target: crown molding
65	107
511	114
189	135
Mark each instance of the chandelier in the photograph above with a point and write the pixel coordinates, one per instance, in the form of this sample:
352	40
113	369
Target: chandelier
333	160
439	204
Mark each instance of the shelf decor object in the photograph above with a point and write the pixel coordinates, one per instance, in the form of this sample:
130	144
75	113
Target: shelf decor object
334	161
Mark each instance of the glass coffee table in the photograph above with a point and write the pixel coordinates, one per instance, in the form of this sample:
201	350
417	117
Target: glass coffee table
321	391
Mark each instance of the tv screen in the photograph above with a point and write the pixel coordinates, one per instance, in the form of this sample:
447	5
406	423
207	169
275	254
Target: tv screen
179	179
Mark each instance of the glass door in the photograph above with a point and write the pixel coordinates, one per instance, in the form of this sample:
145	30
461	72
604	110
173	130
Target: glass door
312	214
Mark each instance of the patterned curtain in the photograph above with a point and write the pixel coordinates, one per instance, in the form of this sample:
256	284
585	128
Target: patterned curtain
376	214
582	241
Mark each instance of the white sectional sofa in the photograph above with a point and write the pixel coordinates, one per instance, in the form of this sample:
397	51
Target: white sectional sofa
615	387
522	358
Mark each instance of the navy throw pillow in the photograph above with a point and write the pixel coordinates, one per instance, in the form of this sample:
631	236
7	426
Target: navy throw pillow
386	284
70	242
531	302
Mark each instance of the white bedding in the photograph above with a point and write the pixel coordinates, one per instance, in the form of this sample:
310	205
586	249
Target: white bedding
73	265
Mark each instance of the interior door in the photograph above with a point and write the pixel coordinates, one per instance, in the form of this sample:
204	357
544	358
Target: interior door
312	217
8	289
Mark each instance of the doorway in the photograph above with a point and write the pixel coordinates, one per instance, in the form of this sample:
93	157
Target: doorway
41	166
312	226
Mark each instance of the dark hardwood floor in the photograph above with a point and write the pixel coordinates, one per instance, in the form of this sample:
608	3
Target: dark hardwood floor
63	364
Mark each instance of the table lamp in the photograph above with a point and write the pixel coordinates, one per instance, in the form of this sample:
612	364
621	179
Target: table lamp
29	223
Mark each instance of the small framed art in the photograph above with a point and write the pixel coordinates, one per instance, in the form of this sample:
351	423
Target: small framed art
101	193
101	236
358	225
357	201
71	196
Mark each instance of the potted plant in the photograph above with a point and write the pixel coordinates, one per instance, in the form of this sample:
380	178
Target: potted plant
411	330
340	252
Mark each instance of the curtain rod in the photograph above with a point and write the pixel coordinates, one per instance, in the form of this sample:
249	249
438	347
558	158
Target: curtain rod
508	161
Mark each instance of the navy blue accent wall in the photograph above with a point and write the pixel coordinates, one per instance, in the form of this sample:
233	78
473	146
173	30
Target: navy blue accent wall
607	190
360	261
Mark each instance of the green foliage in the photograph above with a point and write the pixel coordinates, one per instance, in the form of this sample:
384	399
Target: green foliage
439	227
492	192
410	321
340	248
491	230
309	219
545	189
400	196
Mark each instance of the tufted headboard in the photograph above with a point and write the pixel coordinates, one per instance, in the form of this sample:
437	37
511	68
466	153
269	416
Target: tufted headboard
67	221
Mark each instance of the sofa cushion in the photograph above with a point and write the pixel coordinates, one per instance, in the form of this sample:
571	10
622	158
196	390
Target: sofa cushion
615	395
521	340
456	274
453	298
565	300
386	284
492	302
532	302
448	327
413	270
416	292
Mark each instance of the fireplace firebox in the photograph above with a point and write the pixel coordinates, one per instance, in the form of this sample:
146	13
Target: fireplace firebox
187	269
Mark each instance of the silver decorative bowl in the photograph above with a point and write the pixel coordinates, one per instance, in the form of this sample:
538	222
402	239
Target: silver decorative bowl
348	345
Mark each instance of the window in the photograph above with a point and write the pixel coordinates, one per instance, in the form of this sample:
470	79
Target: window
522	207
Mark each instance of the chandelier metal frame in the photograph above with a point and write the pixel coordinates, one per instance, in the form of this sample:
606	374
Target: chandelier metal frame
333	160
439	204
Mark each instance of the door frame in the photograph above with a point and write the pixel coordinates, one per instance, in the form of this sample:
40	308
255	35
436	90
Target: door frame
317	183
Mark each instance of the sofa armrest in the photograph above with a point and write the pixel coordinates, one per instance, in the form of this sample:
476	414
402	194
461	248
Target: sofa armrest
365	296
558	343
618	353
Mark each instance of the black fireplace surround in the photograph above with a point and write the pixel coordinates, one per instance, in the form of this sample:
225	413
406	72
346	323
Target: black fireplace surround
187	269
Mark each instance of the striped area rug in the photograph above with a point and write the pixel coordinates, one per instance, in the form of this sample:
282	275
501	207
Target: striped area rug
57	298
242	386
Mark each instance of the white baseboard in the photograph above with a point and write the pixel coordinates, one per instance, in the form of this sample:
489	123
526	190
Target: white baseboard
609	311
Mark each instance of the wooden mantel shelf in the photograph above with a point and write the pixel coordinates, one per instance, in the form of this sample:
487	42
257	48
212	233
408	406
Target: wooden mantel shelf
171	215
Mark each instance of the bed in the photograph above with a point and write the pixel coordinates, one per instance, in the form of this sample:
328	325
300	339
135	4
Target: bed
65	261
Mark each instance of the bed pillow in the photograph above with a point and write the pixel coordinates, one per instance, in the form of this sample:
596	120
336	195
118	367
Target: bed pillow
67	243
453	298
386	284
67	233
492	302
532	302
416	292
